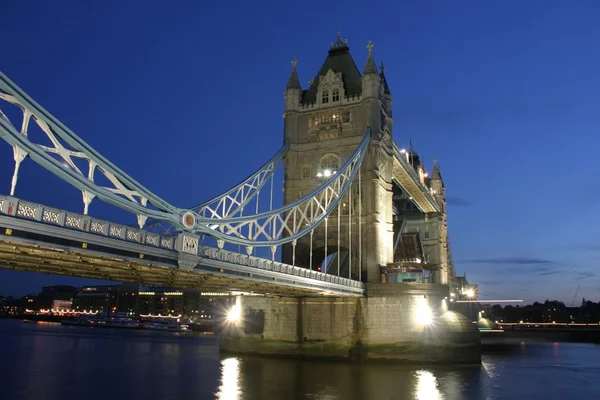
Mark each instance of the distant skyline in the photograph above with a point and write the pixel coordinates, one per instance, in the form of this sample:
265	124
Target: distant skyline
188	101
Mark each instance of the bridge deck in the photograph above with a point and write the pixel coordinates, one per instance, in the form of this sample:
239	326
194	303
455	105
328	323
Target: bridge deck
29	245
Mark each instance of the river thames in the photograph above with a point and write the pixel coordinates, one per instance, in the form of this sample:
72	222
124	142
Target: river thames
53	362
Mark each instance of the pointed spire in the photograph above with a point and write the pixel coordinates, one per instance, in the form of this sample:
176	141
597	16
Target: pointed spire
386	88
294	82
370	66
436	174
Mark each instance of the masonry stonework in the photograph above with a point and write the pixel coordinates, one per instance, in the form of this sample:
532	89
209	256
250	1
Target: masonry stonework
395	320
386	325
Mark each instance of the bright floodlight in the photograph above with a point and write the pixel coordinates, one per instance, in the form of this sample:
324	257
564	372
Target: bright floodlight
424	314
470	293
327	173
234	314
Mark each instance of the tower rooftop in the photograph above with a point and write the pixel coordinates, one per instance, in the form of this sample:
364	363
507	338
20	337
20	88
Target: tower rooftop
338	60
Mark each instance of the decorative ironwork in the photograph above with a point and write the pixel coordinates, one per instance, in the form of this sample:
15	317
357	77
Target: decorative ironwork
220	217
51	216
73	222
294	220
152	239
190	245
115	230
24	210
96	227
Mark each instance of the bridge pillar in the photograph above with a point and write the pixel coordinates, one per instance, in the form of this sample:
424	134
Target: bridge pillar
402	322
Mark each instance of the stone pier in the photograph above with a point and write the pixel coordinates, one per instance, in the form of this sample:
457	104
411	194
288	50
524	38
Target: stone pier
394	322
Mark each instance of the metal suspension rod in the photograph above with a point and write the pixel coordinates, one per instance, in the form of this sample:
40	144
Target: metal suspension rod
271	208
257	201
325	261
338	238
294	245
359	224
350	234
311	246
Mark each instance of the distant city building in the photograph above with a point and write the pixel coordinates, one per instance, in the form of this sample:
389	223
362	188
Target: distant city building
144	300
53	297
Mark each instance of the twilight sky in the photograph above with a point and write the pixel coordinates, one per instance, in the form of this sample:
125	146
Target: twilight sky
187	98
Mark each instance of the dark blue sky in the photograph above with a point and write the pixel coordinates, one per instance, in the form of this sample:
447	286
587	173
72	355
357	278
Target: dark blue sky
187	98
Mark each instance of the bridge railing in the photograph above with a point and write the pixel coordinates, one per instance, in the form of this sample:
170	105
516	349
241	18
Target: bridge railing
52	216
275	266
27	210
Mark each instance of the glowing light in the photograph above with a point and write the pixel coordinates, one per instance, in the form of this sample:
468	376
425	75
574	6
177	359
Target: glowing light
234	314
327	173
470	293
424	315
319	174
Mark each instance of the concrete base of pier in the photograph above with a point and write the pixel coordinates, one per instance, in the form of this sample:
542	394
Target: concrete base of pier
394	322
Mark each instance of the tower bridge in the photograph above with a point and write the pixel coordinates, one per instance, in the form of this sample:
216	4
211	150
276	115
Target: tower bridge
364	267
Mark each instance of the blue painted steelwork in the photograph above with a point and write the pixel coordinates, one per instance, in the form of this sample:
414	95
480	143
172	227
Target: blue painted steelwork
271	228
72	233
233	201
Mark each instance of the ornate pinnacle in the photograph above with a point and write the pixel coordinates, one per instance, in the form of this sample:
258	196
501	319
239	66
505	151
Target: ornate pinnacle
382	68
339	43
293	82
370	66
370	47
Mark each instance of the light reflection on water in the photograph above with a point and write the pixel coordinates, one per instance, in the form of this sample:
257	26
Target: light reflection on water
58	362
230	377
427	386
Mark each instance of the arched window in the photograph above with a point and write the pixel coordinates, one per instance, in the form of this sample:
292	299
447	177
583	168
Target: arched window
346	116
335	95
329	165
325	98
315	120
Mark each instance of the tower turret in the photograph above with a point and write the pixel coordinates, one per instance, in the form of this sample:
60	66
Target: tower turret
293	90
437	184
370	77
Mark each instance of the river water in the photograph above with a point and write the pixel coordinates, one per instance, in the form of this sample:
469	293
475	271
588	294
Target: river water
43	361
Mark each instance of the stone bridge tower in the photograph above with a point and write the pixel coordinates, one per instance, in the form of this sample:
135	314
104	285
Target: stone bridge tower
324	124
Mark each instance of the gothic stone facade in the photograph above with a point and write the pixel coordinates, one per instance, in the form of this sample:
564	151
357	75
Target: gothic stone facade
324	124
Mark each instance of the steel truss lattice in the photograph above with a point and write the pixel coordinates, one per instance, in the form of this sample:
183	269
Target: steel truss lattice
220	217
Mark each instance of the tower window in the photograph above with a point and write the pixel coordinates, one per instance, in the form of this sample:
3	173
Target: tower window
305	171
329	165
325	98
335	95
346	116
315	120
